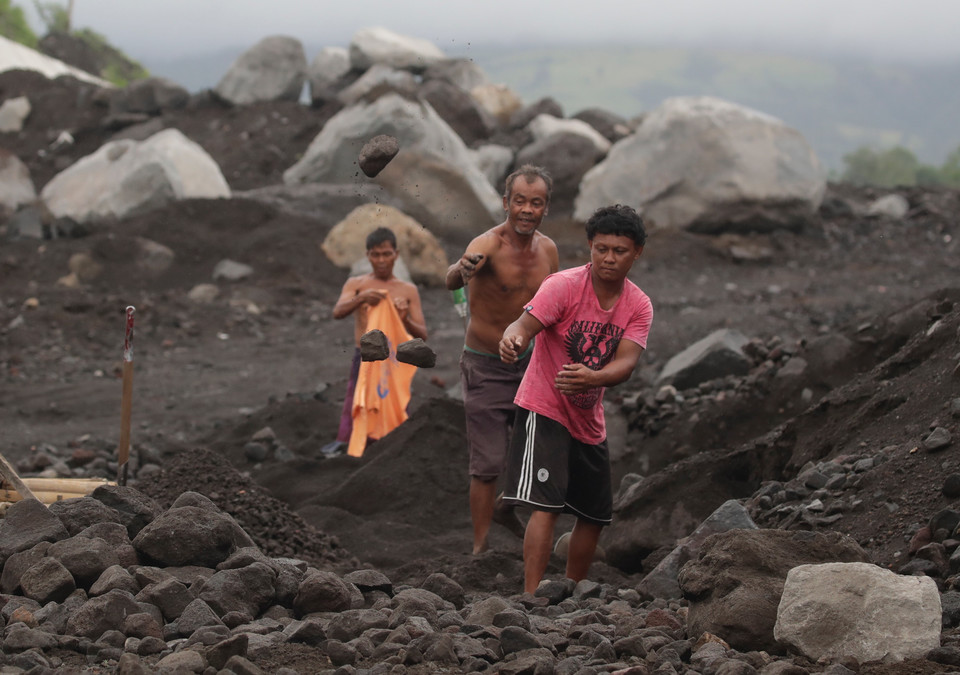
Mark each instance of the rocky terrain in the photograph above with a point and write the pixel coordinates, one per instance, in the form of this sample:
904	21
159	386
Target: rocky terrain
237	546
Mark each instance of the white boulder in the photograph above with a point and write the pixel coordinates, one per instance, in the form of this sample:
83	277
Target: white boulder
125	176
711	166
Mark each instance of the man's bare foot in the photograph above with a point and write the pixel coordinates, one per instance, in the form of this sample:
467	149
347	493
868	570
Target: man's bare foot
505	514
477	550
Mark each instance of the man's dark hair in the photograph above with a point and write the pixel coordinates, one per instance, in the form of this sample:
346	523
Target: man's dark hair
618	220
530	174
380	235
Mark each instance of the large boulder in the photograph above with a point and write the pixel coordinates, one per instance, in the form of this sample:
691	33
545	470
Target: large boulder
125	177
462	73
375	45
543	126
323	73
191	535
498	100
715	356
16	187
837	610
734	585
378	80
26	524
13	113
419	249
711	166
567	156
461	111
447	201
274	69
332	155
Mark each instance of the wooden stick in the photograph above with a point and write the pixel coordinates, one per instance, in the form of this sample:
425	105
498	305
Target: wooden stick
43	496
123	447
85	485
10	475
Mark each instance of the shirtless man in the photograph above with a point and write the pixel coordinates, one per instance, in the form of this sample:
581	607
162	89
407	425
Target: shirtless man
502	269
358	295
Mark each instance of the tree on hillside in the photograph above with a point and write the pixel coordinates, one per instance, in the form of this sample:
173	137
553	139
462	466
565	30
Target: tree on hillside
14	26
898	167
55	16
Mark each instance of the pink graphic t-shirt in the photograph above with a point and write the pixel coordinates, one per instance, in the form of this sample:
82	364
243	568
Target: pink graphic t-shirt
578	330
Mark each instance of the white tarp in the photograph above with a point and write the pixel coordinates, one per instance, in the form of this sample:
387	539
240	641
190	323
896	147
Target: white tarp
15	56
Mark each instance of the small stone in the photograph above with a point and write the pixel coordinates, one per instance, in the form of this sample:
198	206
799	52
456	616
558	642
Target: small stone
377	153
938	439
416	353
951	486
374	346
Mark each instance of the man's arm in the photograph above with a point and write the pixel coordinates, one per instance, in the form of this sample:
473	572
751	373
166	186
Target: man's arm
350	299
516	338
412	315
475	257
576	377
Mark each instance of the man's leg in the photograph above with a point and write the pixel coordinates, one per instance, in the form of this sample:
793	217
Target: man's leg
482	496
537	545
583	544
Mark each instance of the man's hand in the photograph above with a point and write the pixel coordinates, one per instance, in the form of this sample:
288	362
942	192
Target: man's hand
469	264
510	348
574	378
403	306
371	296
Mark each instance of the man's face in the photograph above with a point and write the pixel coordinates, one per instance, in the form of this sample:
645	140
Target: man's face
381	257
526	206
613	255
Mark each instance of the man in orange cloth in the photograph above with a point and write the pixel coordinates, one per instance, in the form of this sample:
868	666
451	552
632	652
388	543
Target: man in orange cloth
377	391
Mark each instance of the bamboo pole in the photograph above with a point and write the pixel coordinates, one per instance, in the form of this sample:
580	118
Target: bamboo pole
43	496
126	401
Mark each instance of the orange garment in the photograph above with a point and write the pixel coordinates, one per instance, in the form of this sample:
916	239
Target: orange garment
383	387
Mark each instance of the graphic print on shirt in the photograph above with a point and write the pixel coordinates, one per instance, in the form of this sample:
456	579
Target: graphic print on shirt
593	344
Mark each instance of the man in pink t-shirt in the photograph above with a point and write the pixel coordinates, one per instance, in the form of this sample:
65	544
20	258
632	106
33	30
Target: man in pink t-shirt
592	325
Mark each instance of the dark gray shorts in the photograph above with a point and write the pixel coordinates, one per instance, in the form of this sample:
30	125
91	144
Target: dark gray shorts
550	470
489	387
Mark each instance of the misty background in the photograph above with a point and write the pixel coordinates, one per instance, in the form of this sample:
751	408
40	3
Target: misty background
845	73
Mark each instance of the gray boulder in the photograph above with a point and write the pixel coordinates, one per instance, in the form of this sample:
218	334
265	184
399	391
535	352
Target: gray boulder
836	610
378	80
125	177
13	113
715	356
274	69
711	166
323	73
47	581
322	591
100	614
191	535
85	557
249	589
79	513
460	110
26	524
332	156
16	187
569	156
135	509
375	45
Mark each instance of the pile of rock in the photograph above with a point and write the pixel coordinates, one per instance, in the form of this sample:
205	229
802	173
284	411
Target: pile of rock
114	582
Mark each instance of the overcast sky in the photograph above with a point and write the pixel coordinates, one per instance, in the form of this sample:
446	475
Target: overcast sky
171	29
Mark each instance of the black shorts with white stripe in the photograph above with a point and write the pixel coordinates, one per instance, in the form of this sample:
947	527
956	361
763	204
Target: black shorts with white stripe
550	470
